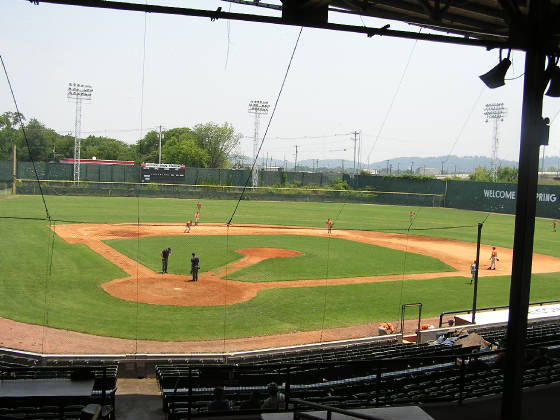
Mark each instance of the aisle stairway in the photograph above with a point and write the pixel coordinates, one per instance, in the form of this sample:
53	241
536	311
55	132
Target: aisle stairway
138	399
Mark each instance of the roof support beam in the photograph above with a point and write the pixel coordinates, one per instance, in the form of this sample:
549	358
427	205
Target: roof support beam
533	135
436	12
213	15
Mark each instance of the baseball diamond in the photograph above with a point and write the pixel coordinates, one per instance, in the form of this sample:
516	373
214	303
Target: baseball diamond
103	291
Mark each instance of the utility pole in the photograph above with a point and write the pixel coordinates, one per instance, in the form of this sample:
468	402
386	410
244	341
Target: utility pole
411	167
14	169
295	164
355	140
387	170
159	146
317	165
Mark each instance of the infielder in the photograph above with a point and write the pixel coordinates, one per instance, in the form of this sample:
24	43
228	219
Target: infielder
493	258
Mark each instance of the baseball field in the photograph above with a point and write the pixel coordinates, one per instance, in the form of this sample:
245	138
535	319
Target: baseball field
89	280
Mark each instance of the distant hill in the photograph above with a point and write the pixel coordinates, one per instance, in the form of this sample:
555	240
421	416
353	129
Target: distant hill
450	164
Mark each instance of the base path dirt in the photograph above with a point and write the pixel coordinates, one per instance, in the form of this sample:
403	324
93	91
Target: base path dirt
147	286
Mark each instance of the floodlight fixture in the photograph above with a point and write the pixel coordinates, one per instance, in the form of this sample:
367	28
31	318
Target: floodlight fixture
257	108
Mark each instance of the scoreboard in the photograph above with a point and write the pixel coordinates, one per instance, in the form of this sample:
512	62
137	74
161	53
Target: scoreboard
162	172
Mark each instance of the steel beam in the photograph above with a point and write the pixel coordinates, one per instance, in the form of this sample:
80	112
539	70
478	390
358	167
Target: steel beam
531	139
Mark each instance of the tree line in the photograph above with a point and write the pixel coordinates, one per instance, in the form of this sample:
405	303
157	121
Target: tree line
207	145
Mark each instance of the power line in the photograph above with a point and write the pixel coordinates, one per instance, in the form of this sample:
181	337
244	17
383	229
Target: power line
268	126
393	99
19	114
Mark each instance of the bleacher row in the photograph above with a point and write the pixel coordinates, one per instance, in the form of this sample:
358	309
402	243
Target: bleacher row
356	375
22	373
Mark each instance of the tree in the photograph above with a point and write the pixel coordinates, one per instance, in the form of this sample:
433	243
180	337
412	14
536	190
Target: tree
147	147
503	174
218	141
507	174
184	150
39	144
9	133
481	174
107	148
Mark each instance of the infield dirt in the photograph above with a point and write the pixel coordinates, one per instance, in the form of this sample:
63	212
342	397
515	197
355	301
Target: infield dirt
145	285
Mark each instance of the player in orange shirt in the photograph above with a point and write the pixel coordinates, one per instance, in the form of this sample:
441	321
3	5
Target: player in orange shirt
410	216
329	225
188	227
196	218
554	225
493	258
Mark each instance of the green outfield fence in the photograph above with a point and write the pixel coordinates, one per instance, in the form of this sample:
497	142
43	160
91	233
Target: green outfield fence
193	176
223	192
121	180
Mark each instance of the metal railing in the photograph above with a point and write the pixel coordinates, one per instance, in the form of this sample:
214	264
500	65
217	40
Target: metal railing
492	308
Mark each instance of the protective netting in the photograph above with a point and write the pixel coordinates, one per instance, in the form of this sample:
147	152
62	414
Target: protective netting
89	280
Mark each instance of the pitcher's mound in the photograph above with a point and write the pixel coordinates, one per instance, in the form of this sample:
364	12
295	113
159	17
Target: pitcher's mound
210	289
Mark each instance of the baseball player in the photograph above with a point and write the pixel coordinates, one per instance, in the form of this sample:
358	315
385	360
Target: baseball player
329	225
554	225
410	216
473	270
194	267
164	258
188	226
196	218
493	258
198	206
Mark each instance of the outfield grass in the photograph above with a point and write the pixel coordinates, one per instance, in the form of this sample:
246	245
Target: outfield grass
322	257
66	294
436	222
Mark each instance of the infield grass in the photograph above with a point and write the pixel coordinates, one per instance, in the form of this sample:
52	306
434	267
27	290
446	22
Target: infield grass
321	257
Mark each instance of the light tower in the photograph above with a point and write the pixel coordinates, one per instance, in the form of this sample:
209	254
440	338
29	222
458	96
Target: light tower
257	108
495	112
78	92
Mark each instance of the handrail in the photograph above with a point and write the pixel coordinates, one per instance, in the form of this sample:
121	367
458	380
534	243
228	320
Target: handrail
329	409
493	308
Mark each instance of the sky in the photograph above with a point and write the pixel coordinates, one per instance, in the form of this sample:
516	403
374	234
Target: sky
404	97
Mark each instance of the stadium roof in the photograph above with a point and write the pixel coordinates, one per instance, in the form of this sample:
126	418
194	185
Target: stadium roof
490	23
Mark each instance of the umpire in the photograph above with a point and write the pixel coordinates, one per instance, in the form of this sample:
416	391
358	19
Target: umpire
194	267
164	257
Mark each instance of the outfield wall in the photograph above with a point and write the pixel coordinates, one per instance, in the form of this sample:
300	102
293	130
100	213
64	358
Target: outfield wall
121	180
193	176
